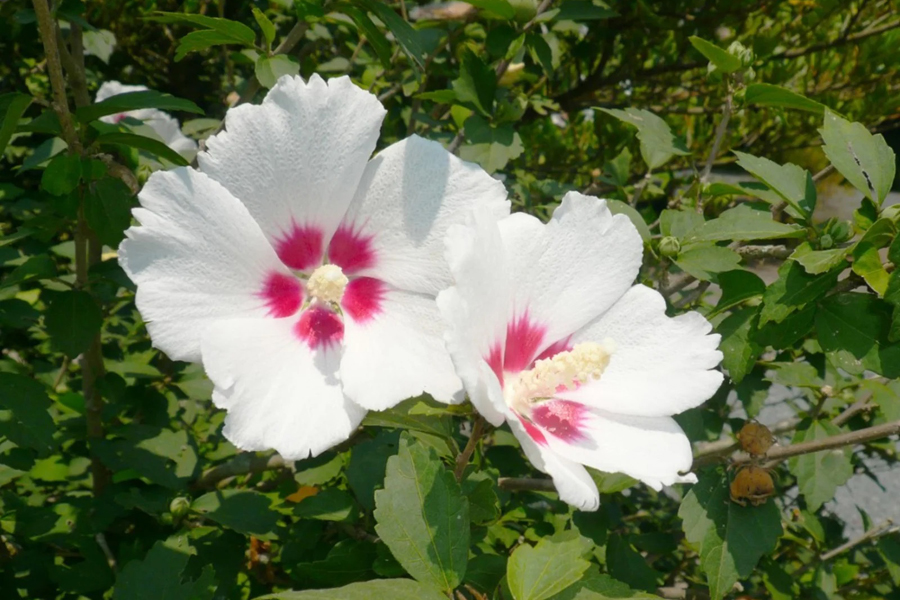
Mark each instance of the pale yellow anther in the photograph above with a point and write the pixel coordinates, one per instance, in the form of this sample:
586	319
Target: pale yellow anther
327	284
565	370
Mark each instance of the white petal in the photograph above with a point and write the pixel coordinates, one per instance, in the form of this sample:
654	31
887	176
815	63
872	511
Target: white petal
198	256
397	354
574	268
169	131
409	196
108	89
476	308
660	366
278	393
297	158
651	449
572	481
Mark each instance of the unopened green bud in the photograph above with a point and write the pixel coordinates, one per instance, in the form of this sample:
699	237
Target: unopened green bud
841	231
826	242
179	507
669	246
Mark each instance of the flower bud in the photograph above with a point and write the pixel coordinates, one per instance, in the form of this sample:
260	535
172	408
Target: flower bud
179	507
669	246
840	231
826	242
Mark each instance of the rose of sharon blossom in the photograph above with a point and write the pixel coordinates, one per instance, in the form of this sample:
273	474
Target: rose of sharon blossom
548	333
165	125
300	272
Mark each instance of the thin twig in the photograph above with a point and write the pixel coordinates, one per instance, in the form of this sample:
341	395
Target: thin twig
717	141
242	464
462	460
527	484
778	251
47	30
851	438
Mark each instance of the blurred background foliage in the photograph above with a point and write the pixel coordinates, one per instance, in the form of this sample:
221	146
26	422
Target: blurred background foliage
115	481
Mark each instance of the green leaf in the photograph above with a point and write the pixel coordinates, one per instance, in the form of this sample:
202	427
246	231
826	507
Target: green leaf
594	586
894	251
164	456
819	474
617	207
738	286
367	28
626	564
743	223
889	548
679	223
789	331
767	94
555	563
13	106
24	419
395	589
141	142
501	8
237	32
35	268
584	10
107	208
658	143
245	511
867	264
797	374
819	261
423	517
62	174
791	182
484	506
159	575
402	416
491	147
347	562
731	538
409	38
738	344
859	324
476	84
265	25
331	504
72	320
269	69
793	289
864	159
722	59
704	261
368	461
134	101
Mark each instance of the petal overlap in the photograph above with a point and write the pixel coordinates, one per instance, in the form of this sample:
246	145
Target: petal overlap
549	334
301	273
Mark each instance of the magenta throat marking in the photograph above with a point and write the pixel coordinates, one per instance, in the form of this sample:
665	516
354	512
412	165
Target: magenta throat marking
561	418
282	294
351	250
523	339
533	432
320	328
301	247
364	299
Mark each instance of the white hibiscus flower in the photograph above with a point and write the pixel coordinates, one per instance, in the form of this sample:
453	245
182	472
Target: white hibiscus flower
302	274
548	333
165	125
